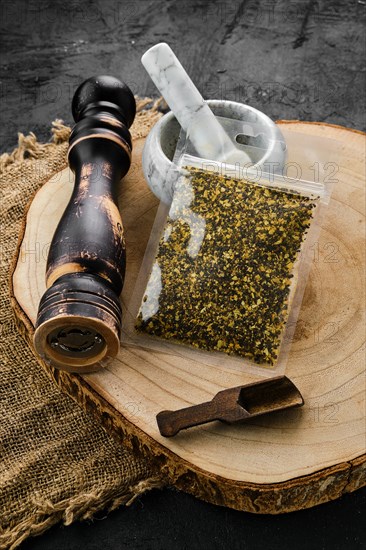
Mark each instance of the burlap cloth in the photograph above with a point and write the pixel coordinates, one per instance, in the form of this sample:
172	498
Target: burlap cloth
56	462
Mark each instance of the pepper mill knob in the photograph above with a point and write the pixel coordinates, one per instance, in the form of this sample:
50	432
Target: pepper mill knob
107	92
79	318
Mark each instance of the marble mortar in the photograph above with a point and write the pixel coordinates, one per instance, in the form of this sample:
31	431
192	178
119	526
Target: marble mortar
161	142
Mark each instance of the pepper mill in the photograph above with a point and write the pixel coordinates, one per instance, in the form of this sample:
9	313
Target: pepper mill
79	318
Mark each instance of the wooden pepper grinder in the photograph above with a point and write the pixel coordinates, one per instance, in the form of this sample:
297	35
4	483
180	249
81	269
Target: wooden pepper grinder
79	318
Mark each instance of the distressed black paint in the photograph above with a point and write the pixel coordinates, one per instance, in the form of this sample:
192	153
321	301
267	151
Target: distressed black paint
87	259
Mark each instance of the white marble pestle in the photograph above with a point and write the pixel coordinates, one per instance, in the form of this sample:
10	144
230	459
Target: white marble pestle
190	109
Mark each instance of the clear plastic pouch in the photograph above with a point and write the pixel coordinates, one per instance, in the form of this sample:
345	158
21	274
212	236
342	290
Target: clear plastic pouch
227	261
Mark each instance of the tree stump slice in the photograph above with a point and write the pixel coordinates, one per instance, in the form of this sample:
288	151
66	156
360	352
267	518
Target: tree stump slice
285	462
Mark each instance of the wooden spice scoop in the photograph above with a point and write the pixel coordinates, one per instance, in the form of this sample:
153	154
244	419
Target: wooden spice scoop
234	405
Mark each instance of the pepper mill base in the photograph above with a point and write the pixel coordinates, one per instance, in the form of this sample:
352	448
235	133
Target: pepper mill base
79	323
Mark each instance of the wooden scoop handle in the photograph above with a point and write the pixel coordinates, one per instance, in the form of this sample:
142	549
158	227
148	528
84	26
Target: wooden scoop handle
171	422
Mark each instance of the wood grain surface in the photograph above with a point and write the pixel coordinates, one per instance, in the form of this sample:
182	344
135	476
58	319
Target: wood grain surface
289	461
296	60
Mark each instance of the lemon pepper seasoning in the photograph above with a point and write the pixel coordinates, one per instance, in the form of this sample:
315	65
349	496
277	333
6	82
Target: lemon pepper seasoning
223	269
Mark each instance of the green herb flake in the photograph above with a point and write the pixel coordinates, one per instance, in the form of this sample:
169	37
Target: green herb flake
223	269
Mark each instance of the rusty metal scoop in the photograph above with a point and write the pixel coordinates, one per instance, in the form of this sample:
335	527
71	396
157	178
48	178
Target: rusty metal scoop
234	405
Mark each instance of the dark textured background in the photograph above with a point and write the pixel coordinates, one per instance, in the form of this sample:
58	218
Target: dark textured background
293	60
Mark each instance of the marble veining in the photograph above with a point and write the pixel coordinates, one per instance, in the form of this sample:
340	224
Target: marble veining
191	110
160	172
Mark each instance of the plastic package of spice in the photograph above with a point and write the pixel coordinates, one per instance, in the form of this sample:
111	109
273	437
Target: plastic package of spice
226	265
